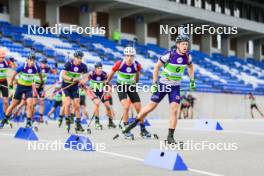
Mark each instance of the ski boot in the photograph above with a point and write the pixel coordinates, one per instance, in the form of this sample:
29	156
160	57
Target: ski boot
60	122
171	140
5	121
97	125
68	124
72	119
145	134
111	124
29	123
79	127
128	135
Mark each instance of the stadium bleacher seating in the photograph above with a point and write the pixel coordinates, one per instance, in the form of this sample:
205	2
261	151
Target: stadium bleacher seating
214	73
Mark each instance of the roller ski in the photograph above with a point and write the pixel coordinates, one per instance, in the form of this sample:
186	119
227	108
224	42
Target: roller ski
147	135
111	124
4	122
126	134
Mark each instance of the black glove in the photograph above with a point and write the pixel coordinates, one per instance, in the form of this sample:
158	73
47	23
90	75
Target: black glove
12	59
41	85
76	80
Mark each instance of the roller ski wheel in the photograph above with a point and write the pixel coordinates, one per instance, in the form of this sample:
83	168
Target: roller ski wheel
120	126
179	143
150	136
98	126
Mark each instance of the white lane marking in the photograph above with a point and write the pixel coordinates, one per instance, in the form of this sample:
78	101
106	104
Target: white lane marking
225	131
121	155
132	158
6	134
141	160
204	172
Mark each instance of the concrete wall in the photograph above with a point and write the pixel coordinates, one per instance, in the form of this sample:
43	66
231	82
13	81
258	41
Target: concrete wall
30	21
4	17
197	13
208	105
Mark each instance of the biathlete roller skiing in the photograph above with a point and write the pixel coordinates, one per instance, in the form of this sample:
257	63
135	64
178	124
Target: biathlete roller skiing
27	73
253	105
38	91
128	73
74	74
57	103
174	63
97	79
4	66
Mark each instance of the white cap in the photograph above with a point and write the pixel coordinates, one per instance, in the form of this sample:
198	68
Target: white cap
129	51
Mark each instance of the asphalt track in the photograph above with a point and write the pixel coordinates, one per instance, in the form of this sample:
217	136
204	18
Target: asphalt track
125	157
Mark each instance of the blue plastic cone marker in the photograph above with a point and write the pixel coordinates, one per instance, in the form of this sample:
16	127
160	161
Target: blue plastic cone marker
208	125
84	121
165	159
132	119
26	134
218	126
80	143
